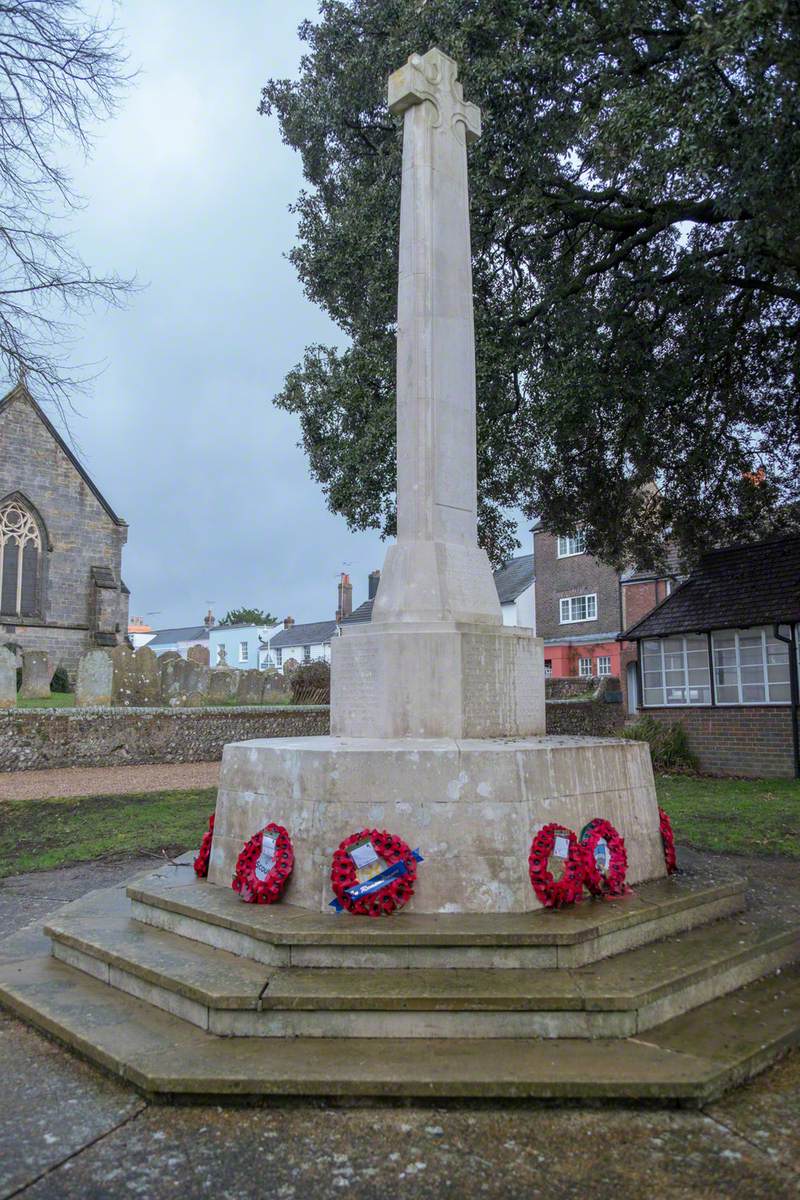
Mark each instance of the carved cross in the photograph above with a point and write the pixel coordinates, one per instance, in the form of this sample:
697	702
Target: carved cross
433	77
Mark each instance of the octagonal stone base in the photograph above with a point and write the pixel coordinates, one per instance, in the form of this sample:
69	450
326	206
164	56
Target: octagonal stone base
471	806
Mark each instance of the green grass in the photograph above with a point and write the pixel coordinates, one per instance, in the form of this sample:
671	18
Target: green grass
37	835
733	816
54	700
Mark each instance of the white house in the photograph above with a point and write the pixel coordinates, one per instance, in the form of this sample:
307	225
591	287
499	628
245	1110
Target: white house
178	639
514	583
302	643
242	645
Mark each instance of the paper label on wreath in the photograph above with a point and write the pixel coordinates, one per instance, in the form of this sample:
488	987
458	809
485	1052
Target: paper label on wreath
267	856
367	861
560	846
602	856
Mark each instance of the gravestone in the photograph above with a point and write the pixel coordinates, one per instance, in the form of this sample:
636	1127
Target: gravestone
36	675
222	657
222	684
123	682
250	687
173	671
168	656
146	677
199	655
8	678
94	679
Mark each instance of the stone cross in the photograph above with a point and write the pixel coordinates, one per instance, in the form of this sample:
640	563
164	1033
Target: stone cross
436	451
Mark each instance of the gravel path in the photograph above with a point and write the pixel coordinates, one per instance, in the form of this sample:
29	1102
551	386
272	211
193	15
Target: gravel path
107	781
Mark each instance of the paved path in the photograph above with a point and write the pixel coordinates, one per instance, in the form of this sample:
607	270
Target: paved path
67	1132
107	781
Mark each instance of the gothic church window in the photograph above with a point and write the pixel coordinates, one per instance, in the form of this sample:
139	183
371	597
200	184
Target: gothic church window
20	550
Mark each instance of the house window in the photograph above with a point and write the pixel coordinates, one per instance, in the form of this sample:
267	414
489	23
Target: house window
675	671
603	664
278	657
578	608
750	667
20	548
569	546
585	668
244	652
306	654
548	668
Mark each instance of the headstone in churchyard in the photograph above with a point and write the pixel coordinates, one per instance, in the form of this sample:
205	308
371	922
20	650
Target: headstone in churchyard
196	678
8	678
37	672
272	692
147	677
122	679
199	655
250	687
222	683
94	679
173	671
222	657
274	681
168	656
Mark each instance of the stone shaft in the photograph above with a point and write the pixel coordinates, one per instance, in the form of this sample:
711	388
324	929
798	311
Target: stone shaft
436	571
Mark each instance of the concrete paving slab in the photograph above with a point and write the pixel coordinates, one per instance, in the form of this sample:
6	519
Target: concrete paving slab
765	1112
51	1105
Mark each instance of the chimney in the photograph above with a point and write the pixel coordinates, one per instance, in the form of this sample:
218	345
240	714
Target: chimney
288	622
345	606
373	581
209	619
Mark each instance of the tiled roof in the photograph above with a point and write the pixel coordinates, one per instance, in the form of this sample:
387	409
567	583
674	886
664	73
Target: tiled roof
733	588
513	578
313	634
189	633
362	613
673	569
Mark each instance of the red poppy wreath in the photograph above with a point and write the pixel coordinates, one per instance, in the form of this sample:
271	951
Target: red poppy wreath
204	853
264	866
560	844
668	842
606	862
373	873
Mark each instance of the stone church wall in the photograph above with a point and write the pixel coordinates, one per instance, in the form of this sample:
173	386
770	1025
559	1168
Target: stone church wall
81	535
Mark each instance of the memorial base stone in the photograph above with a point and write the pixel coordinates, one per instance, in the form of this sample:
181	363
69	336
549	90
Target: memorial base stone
471	806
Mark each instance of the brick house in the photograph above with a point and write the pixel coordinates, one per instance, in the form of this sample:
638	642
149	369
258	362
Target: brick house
720	655
60	542
582	605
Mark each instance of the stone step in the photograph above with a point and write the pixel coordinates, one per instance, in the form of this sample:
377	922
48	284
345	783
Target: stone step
173	899
687	1061
232	996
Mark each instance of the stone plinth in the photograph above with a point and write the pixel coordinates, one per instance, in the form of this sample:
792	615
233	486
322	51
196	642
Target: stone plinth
471	806
440	679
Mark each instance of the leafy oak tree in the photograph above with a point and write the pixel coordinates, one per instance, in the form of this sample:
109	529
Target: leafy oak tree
635	201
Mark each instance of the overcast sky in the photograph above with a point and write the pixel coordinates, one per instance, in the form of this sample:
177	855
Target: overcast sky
188	189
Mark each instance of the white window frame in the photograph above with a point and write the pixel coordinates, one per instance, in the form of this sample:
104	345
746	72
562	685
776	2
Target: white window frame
740	702
244	652
687	702
278	656
570	545
602	660
585	668
306	655
548	668
570	601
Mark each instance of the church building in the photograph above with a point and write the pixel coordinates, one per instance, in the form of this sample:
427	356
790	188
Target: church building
61	588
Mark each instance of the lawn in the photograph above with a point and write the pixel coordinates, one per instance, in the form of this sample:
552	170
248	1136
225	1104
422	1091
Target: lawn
54	700
36	835
733	816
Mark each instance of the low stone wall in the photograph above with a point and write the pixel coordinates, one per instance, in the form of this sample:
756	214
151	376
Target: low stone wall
37	738
754	742
602	714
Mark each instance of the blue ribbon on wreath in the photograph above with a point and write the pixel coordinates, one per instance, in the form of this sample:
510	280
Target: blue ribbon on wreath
377	883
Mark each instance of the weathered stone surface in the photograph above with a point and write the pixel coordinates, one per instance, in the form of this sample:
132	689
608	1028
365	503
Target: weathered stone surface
37	671
146	677
8	678
471	806
173	672
169	656
199	655
122	683
249	687
93	683
222	684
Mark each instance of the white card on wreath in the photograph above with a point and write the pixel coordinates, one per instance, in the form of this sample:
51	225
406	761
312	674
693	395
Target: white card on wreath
364	855
267	856
561	847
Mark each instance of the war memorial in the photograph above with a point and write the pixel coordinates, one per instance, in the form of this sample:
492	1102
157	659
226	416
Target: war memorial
471	986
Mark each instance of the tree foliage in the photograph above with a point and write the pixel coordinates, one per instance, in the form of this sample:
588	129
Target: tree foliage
248	616
61	72
636	260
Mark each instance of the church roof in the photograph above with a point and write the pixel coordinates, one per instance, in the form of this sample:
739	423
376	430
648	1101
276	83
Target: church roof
20	391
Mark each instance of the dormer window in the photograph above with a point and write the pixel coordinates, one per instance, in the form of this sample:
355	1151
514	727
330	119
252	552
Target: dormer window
20	555
574	543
